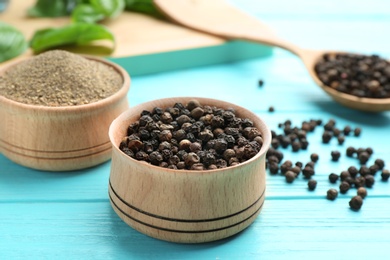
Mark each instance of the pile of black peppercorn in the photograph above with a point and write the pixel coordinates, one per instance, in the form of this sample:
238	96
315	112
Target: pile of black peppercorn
295	138
192	137
358	75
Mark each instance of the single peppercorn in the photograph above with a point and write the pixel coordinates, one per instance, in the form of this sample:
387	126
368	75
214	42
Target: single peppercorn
307	172
350	151
356	202
260	82
369	181
333	177
385	175
353	171
380	163
326	137
271	109
335	155
273	168
363	157
332	194
357	131
314	157
290	176
364	170
344	187
312	184
340	139
362	192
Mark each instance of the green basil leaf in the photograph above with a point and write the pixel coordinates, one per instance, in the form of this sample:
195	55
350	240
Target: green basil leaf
143	6
111	8
49	8
87	13
12	42
73	34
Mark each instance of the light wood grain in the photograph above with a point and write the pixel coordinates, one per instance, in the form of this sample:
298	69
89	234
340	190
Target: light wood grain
183	205
135	33
60	138
221	19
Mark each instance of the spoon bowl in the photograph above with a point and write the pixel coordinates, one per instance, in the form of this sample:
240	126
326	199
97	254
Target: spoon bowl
219	18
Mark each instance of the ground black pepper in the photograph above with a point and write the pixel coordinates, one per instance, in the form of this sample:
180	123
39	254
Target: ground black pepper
59	78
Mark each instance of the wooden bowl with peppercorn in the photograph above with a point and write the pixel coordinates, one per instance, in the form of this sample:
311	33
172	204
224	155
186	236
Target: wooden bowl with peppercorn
56	109
188	170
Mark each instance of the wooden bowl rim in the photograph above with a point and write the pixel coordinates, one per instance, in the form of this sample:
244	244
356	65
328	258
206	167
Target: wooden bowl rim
266	134
114	98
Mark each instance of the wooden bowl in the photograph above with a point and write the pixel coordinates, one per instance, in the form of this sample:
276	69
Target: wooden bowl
186	206
60	138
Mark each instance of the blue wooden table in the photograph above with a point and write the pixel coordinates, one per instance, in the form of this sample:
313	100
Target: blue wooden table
67	215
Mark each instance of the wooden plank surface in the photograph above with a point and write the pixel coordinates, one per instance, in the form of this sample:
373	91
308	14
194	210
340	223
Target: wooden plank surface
144	44
67	215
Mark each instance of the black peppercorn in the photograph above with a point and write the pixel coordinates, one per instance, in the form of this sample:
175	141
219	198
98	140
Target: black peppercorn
312	184
353	171
380	163
273	168
344	175
340	139
363	157
385	175
362	192
357	131
373	169
344	187
364	170
326	136
314	157
290	176
350	151
356	202
307	172
369	181
333	177
335	155
332	194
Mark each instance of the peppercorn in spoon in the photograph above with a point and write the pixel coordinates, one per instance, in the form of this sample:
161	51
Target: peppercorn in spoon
356	81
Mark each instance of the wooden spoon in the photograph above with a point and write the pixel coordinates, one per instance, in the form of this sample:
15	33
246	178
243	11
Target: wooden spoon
219	18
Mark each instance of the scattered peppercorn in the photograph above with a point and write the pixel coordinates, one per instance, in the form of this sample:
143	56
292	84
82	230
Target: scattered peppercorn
314	157
333	177
385	175
260	82
344	187
290	176
332	194
356	202
312	184
362	192
335	155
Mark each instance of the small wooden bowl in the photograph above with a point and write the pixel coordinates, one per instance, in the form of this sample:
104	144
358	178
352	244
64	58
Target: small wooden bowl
186	206
60	138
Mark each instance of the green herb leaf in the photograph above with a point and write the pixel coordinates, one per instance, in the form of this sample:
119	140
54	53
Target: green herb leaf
73	34
12	42
110	8
49	8
87	13
143	6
